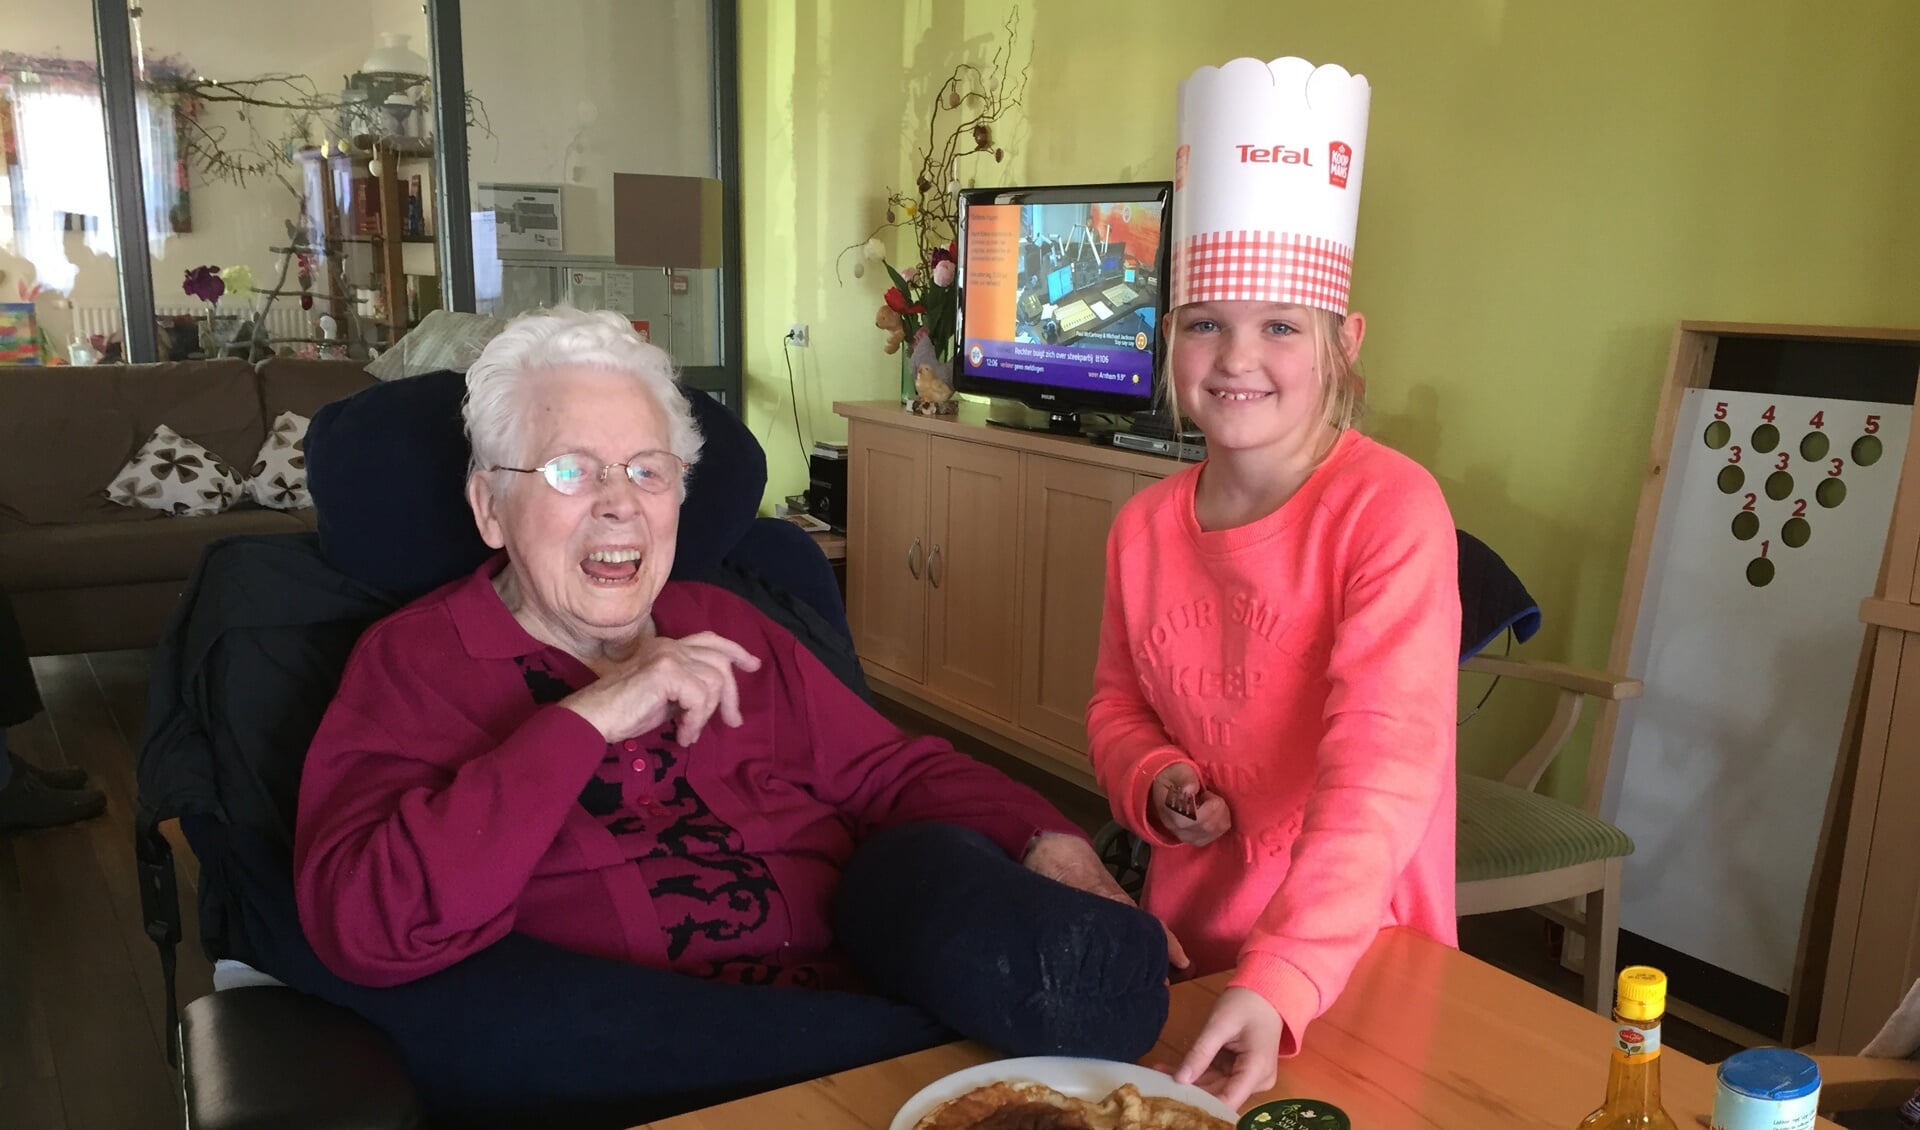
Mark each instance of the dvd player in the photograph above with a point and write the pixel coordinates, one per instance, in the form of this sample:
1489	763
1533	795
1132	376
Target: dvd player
1156	445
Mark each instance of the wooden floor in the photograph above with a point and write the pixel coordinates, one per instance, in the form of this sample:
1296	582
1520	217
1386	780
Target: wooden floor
81	1014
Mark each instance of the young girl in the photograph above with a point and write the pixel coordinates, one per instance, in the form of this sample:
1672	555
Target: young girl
1273	705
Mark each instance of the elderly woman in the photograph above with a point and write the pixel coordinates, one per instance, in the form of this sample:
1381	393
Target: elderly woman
566	745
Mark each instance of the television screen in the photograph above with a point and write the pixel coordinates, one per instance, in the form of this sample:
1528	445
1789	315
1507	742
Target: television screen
1060	293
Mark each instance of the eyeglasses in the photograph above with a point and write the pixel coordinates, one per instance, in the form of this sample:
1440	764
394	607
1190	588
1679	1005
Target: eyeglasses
655	472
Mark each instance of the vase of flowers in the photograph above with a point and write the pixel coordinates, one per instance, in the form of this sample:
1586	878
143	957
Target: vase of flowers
918	314
205	284
209	284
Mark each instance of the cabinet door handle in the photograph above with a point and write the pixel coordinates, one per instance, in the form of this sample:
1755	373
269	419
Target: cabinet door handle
913	559
933	575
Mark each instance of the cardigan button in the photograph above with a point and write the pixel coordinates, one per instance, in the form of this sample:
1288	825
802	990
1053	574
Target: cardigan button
631	744
639	765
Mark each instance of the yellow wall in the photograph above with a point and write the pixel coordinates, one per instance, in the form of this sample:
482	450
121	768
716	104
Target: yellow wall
1550	187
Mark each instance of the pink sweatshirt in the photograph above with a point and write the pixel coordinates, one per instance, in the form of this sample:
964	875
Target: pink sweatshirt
1305	664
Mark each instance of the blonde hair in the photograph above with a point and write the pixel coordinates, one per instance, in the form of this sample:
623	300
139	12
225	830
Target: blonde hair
1343	388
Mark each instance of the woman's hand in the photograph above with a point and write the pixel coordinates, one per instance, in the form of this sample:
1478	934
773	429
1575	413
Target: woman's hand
1185	810
1238	1052
689	679
1071	860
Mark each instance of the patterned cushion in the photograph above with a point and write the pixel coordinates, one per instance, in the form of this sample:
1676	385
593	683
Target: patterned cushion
1504	831
279	476
175	476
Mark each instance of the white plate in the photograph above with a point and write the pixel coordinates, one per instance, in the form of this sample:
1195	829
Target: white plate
1091	1079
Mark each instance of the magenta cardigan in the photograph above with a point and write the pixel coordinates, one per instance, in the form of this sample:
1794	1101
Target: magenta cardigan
448	800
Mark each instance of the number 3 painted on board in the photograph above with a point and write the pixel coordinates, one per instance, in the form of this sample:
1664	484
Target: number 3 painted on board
1734	457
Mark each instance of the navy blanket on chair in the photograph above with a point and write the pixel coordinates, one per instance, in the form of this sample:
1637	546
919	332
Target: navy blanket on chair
1492	599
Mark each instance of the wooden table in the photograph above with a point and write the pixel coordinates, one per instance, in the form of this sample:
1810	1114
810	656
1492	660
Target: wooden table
1424	1036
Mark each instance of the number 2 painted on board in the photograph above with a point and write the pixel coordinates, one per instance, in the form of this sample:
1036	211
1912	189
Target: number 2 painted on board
1799	508
1750	501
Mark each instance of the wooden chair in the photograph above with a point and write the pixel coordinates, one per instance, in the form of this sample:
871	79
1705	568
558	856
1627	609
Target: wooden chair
1516	848
1860	1083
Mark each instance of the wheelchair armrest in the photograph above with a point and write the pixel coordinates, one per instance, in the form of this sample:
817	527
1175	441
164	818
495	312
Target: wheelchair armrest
269	1056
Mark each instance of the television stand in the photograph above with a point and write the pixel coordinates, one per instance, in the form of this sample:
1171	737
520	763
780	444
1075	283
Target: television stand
1014	414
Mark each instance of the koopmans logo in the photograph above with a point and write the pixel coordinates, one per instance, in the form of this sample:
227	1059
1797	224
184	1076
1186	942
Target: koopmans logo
1340	162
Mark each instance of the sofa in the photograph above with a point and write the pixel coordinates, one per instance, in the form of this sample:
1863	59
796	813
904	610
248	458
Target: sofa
86	574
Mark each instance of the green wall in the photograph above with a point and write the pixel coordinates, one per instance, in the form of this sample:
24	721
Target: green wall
1550	187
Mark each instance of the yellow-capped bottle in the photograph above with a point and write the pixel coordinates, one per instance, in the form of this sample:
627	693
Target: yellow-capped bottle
1633	1078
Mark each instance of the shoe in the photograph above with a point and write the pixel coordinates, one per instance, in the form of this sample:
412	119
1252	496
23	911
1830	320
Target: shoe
64	777
29	802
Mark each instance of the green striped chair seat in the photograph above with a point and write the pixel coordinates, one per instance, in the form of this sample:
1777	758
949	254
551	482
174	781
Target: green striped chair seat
1503	831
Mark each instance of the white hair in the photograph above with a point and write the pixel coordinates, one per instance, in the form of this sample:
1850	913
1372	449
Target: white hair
544	341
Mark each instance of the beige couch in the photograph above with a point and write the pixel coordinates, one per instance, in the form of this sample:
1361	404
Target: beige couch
85	574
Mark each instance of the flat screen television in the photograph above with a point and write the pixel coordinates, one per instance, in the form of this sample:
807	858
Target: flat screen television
1060	297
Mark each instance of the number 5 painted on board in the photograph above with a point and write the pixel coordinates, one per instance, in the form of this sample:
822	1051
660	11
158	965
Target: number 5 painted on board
1873	424
1720	410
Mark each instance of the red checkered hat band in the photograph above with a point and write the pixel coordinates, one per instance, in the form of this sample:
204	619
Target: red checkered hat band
1262	266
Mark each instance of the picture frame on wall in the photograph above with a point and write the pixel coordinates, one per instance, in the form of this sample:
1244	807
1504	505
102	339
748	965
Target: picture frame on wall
527	217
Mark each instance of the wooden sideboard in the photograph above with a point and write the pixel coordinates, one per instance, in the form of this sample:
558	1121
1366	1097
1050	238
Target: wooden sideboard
976	558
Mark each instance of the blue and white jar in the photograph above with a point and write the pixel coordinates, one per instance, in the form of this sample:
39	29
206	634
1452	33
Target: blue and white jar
1767	1089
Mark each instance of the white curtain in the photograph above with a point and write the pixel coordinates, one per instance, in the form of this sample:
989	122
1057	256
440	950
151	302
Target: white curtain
60	172
61	137
159	149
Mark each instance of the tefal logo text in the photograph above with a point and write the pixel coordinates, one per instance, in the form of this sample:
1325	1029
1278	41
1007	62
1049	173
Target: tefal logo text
1274	155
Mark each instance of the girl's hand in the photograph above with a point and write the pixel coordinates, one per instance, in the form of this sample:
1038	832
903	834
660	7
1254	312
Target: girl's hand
1071	860
1185	810
1238	1052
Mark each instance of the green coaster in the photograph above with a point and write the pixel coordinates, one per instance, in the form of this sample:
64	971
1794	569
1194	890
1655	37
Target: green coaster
1295	1114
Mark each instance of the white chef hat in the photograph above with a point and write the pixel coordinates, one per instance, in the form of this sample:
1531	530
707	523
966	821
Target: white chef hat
1267	182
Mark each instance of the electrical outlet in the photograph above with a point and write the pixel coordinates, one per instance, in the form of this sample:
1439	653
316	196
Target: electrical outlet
797	335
